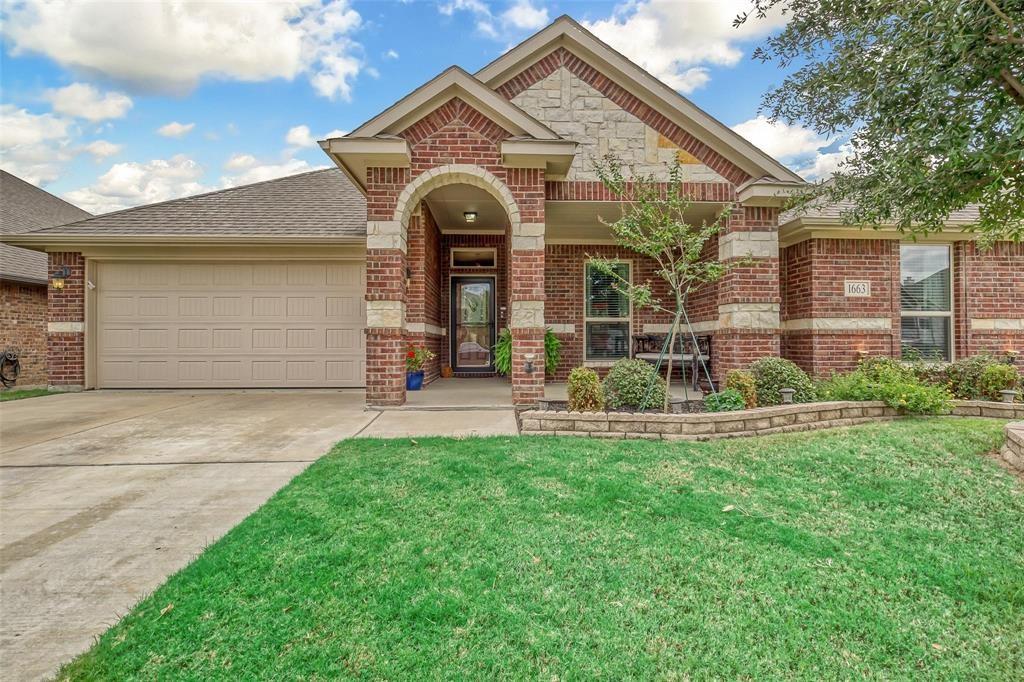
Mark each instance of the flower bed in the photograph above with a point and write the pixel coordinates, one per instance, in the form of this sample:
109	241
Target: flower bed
755	422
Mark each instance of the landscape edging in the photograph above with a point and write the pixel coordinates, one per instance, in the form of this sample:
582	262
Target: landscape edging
714	425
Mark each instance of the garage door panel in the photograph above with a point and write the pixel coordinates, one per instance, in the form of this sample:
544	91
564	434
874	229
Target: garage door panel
230	325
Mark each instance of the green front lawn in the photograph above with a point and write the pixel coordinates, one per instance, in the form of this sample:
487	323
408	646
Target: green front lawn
893	550
18	394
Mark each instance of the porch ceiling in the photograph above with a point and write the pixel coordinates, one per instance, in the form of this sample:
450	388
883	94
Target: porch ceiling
449	203
581	221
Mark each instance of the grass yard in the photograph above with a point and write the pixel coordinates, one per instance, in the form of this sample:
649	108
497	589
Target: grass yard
892	550
19	394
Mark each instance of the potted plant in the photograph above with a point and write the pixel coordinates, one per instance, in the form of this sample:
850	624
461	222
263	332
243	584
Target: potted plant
415	358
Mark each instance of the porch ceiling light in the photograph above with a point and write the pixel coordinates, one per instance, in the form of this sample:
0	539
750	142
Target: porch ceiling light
470	216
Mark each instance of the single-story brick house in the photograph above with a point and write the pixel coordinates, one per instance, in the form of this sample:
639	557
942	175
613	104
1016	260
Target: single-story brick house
23	208
471	205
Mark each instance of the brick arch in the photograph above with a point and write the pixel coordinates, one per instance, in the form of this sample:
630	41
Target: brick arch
454	174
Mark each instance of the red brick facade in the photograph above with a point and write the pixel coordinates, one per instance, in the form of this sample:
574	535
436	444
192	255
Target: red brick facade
23	328
66	337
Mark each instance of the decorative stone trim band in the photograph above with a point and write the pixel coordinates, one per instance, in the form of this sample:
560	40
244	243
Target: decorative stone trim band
1012	453
65	327
525	314
528	236
706	426
760	316
830	324
425	328
700	327
997	324
385	314
562	328
386	234
748	244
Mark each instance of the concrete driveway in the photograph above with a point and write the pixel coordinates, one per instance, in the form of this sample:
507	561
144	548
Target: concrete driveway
104	494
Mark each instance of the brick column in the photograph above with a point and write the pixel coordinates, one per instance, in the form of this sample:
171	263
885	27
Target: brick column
386	248
748	295
65	337
526	285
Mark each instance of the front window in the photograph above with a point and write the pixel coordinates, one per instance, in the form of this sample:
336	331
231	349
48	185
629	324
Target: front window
926	301
607	313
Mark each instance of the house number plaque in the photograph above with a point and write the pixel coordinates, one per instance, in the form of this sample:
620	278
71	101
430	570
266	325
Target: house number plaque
857	288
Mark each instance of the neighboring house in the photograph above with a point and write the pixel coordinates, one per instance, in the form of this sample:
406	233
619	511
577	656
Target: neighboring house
472	204
23	208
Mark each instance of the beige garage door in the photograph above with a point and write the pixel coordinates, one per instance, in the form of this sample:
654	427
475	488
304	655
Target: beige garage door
230	325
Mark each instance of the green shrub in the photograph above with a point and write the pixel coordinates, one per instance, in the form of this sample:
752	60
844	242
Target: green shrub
995	378
503	352
885	368
896	388
552	351
728	400
772	374
634	384
963	377
585	392
743	382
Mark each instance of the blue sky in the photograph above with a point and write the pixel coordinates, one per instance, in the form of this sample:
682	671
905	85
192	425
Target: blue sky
111	104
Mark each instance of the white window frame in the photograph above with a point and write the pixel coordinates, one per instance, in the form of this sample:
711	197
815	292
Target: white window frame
951	351
628	319
455	249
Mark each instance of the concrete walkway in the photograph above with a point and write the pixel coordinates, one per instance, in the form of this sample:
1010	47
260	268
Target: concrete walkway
104	494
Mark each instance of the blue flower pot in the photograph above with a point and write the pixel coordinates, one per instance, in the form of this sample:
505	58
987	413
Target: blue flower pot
414	380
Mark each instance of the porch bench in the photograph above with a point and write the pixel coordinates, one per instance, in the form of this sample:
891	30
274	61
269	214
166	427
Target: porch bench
648	347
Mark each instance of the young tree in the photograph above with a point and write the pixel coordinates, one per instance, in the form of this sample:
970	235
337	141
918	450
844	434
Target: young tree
931	94
653	223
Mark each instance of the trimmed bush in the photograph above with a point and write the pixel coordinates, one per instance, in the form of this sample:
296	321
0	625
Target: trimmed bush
729	400
634	384
744	383
552	351
585	392
893	385
995	378
963	377
772	374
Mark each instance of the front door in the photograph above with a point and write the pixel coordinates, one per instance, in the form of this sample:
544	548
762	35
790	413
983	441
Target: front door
473	330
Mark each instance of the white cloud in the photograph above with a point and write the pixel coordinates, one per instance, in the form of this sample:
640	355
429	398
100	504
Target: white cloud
133	184
173	45
240	162
268	171
299	136
391	54
524	15
335	133
101	149
780	140
34	147
84	101
175	129
672	39
823	165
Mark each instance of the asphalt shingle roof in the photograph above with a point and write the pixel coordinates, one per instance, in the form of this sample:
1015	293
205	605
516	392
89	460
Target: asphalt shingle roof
24	208
821	210
321	203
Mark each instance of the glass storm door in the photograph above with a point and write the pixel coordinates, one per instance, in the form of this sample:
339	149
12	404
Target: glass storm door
472	324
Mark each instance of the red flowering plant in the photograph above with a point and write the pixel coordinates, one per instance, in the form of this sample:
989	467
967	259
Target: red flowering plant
416	357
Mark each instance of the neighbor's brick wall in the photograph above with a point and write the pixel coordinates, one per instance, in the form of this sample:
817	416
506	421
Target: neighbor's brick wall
66	350
23	328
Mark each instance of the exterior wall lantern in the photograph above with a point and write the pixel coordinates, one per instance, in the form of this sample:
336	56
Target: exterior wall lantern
59	276
529	357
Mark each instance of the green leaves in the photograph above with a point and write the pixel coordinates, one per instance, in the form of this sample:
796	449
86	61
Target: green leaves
930	94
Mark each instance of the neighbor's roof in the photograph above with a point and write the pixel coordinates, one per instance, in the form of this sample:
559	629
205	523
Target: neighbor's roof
320	203
23	208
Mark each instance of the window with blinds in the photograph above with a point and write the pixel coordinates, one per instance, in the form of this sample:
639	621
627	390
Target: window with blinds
926	301
607	313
